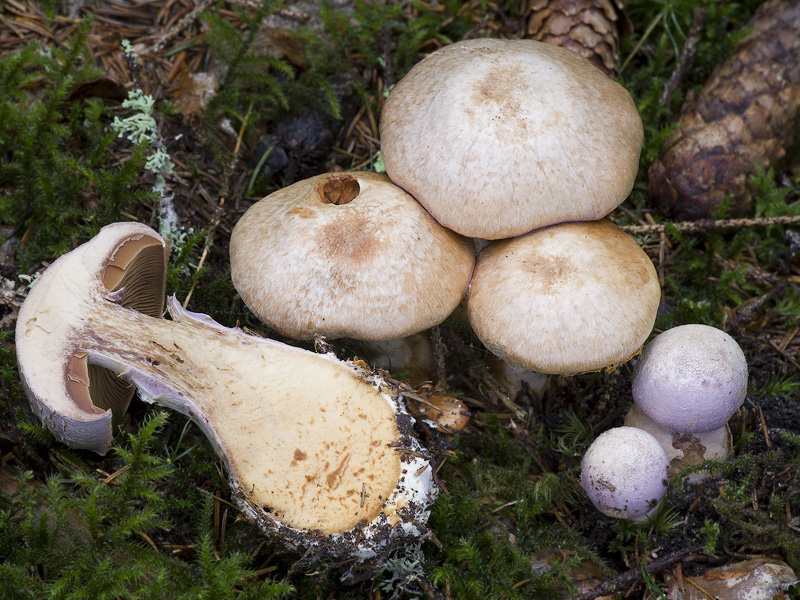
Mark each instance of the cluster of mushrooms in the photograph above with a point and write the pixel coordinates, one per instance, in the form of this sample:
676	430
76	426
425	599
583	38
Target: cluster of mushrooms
522	145
518	145
687	384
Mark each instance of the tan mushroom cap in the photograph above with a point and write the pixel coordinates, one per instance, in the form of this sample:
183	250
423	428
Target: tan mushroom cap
348	255
566	299
499	137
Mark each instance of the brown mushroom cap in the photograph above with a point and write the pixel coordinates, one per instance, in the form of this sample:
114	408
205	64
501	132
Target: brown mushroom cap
347	255
566	299
499	137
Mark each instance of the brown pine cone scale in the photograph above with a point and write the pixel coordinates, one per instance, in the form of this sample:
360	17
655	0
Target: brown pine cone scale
745	115
592	28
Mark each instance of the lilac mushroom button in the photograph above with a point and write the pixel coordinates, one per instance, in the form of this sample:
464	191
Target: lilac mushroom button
624	472
691	378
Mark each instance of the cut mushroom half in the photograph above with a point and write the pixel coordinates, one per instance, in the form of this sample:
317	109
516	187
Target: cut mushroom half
317	450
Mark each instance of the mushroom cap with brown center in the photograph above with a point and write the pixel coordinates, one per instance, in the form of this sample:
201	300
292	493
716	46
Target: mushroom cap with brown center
496	138
566	299
347	255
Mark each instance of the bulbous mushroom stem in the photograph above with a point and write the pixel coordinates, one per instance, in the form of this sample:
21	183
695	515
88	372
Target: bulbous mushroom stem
280	416
685	449
310	442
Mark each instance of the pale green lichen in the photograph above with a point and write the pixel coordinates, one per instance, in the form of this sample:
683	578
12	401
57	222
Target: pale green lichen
141	127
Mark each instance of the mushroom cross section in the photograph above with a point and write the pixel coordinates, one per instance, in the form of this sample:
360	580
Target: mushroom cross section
312	445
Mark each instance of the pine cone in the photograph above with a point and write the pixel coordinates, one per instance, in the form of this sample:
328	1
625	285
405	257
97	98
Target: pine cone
592	28
744	115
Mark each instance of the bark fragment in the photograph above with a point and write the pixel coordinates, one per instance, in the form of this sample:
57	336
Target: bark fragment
592	28
745	115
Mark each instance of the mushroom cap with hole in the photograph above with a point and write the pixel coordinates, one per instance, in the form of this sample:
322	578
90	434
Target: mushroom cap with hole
347	255
624	472
499	137
691	378
565	299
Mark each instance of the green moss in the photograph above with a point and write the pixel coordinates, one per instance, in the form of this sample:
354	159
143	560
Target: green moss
253	81
56	169
387	37
750	516
496	517
380	38
83	536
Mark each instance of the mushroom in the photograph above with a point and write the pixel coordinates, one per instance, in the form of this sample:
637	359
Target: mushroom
565	299
691	378
411	358
624	472
685	449
317	450
347	255
516	380
496	138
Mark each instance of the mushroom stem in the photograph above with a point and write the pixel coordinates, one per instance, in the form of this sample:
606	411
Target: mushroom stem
262	405
309	442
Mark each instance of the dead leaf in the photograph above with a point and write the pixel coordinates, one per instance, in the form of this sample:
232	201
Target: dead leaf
757	579
444	413
193	92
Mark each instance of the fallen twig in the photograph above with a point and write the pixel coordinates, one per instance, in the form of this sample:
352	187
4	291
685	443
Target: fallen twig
181	25
704	225
220	207
609	586
687	54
